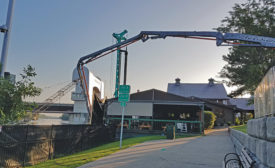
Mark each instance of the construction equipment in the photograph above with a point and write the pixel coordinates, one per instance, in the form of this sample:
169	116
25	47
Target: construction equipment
119	37
222	39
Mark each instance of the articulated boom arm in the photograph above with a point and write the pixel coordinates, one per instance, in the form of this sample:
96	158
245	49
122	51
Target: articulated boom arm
226	39
222	39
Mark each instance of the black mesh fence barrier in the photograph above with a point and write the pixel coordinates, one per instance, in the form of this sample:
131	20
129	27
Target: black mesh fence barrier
24	145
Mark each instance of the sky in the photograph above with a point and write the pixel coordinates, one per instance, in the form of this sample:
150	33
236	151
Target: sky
52	35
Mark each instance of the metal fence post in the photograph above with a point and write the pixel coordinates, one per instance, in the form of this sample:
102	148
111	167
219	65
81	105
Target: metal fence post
200	128
25	149
81	140
51	144
129	126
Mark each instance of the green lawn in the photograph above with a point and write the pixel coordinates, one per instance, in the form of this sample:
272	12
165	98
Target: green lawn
242	128
93	154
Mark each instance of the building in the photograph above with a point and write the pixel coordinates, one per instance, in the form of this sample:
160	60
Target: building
212	94
242	103
154	109
245	105
210	91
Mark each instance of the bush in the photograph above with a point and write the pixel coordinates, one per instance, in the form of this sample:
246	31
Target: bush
209	119
249	116
237	121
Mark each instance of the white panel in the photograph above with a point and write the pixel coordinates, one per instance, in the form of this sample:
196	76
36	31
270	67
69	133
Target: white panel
78	95
132	109
80	107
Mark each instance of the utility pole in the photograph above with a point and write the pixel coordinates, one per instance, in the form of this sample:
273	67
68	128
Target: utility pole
119	37
6	29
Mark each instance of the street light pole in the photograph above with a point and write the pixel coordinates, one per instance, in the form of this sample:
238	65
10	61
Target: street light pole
6	29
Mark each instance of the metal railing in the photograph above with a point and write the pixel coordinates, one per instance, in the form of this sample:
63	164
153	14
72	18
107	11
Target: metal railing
182	126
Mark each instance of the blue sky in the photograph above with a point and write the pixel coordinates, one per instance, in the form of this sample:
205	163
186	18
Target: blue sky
52	35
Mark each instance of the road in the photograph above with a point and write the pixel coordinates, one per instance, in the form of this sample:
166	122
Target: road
194	152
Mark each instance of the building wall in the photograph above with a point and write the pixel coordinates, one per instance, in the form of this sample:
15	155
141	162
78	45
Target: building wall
223	115
131	109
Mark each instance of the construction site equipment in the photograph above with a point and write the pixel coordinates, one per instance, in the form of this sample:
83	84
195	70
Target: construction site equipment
95	89
222	39
119	37
53	98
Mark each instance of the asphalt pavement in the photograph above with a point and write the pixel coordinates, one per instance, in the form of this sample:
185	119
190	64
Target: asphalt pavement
194	152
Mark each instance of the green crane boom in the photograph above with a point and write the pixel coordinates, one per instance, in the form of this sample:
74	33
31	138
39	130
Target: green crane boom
119	37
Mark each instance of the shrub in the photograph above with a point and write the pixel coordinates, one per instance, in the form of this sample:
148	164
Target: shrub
209	119
237	121
249	116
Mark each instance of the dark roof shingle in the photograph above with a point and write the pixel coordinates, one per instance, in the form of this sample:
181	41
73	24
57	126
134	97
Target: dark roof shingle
242	103
157	95
200	90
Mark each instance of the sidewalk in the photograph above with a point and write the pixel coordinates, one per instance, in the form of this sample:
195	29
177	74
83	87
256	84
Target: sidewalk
195	152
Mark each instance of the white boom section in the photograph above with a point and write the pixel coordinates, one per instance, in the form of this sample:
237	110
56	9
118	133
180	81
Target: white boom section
94	86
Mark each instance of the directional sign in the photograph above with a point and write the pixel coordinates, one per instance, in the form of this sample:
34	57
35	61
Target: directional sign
123	89
124	96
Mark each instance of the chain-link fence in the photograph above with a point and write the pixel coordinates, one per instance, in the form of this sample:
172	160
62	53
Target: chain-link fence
23	145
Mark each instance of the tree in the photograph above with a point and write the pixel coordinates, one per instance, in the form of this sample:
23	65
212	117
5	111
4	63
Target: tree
12	106
246	66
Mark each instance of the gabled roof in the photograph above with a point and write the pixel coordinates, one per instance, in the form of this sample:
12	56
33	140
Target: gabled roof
158	95
227	106
200	90
242	103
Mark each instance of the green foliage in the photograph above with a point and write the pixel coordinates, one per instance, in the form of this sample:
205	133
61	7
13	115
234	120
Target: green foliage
246	66
209	119
237	121
249	116
12	107
242	128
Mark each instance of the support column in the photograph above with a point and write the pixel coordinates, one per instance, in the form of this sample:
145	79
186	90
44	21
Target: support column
6	29
119	37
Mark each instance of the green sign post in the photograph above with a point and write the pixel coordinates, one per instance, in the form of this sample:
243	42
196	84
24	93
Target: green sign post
123	98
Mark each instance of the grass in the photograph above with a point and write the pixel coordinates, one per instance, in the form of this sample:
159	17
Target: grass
93	154
242	128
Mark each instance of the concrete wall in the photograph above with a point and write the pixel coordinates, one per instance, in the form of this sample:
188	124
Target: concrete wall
260	140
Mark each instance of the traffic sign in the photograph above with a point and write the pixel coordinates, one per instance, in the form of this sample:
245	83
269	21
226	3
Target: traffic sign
124	89
124	96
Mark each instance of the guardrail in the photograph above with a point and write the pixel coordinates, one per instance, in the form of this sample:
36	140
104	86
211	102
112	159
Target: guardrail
182	126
